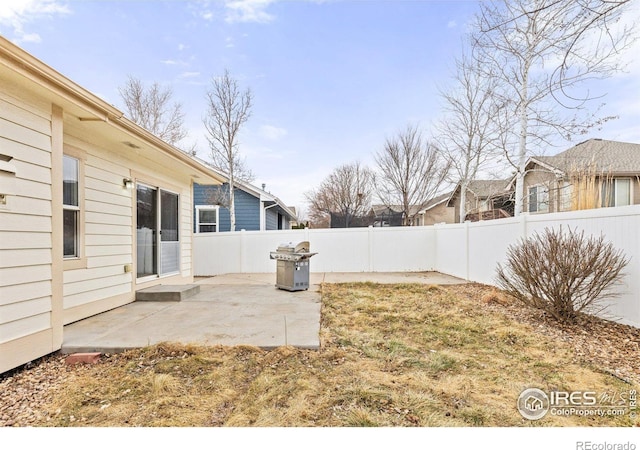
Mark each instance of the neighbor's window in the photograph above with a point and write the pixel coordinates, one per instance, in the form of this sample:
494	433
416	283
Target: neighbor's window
71	206
206	219
565	194
616	192
538	199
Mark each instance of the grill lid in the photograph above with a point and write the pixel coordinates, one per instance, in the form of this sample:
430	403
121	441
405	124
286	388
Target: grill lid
290	247
292	251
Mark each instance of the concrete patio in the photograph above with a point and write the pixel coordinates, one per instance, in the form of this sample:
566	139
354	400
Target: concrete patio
232	309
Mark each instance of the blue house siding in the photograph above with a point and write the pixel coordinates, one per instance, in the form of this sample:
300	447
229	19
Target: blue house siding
276	219
247	211
271	218
247	208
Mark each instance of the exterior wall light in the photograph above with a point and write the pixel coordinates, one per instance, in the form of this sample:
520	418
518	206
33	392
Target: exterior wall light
127	183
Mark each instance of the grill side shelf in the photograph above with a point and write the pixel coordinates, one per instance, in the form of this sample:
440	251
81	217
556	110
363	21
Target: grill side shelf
290	256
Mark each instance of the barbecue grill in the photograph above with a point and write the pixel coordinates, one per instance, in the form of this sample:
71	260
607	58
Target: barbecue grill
293	266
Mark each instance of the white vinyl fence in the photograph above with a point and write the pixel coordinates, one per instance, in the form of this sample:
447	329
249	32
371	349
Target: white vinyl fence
470	251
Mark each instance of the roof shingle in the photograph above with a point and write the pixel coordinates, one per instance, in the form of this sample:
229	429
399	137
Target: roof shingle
601	155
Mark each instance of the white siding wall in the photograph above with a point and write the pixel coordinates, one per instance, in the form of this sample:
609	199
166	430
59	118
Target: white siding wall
470	251
109	216
107	240
25	225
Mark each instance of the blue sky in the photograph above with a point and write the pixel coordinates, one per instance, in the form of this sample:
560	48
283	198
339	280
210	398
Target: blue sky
331	79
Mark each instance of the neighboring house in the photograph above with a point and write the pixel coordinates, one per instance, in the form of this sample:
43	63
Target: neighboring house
436	211
378	216
484	200
593	174
338	220
256	209
92	207
386	216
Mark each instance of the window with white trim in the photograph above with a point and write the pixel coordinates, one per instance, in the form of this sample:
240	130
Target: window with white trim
538	199
207	218
71	207
616	192
565	195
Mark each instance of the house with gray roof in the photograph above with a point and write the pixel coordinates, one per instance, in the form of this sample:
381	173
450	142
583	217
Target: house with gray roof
592	174
484	200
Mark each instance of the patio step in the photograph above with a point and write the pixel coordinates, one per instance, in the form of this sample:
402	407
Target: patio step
167	293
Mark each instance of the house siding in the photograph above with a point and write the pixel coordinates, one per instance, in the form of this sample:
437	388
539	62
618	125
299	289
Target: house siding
44	116
271	219
472	204
109	240
26	264
247	208
107	243
439	214
539	176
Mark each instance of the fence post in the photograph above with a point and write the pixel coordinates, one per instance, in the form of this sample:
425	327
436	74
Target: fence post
466	249
242	250
523	226
370	246
434	250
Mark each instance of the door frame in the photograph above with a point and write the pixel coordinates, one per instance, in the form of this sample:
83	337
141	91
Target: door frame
158	187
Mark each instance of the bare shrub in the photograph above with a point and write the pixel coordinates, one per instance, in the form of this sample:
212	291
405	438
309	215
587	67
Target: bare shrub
562	273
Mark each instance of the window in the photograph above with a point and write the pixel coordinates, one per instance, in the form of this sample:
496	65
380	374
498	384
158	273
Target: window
206	219
538	199
71	207
565	196
616	192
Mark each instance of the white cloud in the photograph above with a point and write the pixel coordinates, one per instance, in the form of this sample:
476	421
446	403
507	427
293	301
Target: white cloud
229	42
189	75
238	11
248	11
272	133
452	24
30	37
16	14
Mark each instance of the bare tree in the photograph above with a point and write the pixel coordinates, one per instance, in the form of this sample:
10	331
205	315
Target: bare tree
346	192
151	108
467	133
411	172
596	20
228	109
543	52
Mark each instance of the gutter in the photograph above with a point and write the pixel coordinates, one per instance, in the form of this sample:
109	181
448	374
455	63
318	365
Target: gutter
35	70
28	66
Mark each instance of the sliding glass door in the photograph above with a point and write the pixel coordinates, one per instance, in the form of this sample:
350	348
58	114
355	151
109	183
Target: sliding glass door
169	240
157	234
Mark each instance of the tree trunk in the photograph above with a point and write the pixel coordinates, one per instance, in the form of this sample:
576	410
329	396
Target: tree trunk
463	202
232	204
522	146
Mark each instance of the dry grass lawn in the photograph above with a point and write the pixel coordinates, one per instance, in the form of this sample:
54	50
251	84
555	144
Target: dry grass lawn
392	355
